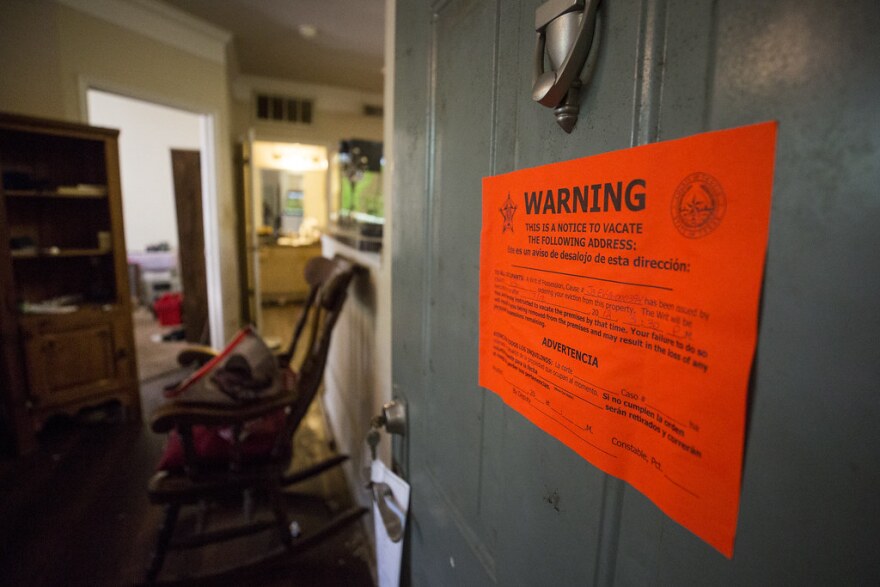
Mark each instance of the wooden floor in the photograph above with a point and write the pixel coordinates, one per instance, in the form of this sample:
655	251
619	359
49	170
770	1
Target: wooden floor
76	513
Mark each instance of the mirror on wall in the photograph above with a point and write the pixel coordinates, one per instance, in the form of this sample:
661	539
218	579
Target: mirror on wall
283	198
291	186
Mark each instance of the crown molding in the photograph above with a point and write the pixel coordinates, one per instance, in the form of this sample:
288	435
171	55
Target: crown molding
161	23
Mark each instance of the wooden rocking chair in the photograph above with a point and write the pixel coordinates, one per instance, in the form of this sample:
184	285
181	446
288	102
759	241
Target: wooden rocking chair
215	451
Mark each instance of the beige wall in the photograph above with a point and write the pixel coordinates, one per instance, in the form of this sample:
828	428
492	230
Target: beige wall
52	53
100	53
337	113
327	129
30	74
315	196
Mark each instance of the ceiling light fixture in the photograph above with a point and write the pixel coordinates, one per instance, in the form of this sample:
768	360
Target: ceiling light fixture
308	31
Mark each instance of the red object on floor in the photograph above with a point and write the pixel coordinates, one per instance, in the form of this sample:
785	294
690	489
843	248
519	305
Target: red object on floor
167	308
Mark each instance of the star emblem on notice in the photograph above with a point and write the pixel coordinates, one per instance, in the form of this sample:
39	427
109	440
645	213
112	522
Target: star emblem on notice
507	211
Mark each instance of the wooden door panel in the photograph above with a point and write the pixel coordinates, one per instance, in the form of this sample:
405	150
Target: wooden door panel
495	500
486	471
186	167
463	132
802	512
451	407
609	115
570	508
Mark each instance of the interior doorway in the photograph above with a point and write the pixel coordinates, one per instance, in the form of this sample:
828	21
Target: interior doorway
288	213
152	175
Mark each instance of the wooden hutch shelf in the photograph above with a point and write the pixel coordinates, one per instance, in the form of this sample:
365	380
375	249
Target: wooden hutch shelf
65	307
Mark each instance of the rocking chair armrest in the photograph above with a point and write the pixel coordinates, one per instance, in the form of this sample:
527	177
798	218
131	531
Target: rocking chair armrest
173	414
198	354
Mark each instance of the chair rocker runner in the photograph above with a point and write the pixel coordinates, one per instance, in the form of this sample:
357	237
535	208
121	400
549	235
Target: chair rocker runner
225	448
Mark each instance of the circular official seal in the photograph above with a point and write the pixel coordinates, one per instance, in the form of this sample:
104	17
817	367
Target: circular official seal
698	205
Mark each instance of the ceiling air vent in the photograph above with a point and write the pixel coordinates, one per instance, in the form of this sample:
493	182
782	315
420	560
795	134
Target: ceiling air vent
373	110
284	109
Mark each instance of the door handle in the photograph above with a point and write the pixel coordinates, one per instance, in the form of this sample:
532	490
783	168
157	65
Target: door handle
393	515
392	418
565	31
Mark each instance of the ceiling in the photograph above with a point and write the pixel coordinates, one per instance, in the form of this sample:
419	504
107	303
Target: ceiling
347	49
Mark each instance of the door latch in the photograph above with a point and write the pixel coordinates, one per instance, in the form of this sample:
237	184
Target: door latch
565	33
392	418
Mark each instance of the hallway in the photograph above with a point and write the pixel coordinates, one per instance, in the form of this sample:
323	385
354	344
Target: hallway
76	511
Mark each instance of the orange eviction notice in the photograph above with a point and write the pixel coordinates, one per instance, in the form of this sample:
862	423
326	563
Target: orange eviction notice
619	311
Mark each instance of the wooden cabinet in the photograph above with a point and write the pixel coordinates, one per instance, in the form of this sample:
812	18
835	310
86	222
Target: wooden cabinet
75	358
65	308
281	272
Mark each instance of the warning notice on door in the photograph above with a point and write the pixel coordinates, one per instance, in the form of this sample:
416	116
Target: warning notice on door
619	311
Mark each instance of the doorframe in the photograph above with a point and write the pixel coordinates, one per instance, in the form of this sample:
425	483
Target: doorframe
384	310
210	214
211	227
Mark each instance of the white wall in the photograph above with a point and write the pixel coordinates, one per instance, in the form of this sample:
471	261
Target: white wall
148	132
315	199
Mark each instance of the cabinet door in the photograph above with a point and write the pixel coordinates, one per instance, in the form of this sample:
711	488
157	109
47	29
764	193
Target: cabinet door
281	272
71	364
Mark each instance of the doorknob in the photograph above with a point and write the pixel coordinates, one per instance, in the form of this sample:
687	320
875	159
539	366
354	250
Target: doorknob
392	418
565	33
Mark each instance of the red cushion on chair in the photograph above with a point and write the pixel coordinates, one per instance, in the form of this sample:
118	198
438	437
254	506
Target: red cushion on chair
214	444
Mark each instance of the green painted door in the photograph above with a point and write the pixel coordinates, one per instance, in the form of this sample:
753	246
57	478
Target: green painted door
497	501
